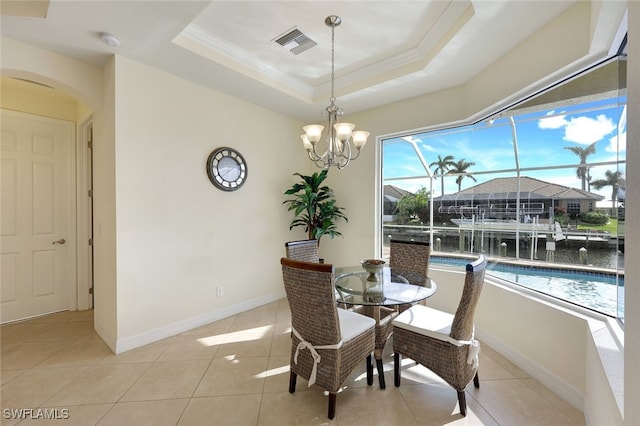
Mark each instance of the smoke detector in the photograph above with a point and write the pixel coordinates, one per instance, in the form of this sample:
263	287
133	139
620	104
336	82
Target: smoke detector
109	39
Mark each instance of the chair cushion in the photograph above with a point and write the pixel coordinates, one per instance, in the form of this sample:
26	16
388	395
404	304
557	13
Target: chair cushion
353	324
426	321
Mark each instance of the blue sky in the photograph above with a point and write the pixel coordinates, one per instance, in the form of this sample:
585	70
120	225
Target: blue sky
542	137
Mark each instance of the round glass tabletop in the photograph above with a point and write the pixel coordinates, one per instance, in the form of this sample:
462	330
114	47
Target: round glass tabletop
354	286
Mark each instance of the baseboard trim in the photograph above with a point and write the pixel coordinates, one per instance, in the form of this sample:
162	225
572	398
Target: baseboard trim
172	329
561	388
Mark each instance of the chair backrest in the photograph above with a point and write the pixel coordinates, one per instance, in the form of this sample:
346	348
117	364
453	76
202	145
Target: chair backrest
410	259
462	326
310	292
304	250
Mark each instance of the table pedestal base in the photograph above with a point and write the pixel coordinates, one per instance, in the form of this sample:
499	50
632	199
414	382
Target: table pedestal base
383	316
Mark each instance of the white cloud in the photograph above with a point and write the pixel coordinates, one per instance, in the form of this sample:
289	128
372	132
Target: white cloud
582	130
555	122
617	143
586	130
410	170
620	142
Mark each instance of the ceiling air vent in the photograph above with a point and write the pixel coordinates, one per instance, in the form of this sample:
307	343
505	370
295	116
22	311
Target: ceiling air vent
295	42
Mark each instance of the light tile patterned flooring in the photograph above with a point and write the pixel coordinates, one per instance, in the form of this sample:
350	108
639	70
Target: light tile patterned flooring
236	372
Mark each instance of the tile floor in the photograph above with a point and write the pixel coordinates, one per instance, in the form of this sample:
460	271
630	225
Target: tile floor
235	372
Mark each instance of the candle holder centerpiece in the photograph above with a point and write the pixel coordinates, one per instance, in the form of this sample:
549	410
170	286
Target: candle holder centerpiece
373	267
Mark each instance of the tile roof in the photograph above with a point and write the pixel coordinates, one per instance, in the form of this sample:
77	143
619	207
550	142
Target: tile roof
393	193
506	188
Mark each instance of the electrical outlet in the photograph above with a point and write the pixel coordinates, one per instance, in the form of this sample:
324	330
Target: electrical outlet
219	291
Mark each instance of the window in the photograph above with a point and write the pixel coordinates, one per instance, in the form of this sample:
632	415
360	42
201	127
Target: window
542	182
573	209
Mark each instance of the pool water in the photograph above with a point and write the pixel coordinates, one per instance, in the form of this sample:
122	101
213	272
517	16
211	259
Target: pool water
592	290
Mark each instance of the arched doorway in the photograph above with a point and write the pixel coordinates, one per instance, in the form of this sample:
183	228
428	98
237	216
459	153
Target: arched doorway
46	225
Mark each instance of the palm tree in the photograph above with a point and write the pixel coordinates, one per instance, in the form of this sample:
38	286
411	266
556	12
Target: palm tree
582	170
461	168
443	166
616	181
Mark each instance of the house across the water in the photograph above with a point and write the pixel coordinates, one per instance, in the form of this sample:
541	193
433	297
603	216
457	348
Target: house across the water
498	199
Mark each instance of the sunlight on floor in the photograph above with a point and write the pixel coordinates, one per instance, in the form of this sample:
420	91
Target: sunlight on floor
273	372
247	335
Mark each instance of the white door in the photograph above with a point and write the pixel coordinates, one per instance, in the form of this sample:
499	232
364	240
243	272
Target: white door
36	226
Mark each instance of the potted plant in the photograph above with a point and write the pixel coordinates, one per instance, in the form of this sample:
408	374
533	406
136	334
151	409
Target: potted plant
314	206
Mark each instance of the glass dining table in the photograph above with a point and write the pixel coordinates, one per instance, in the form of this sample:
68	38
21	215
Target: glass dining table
379	296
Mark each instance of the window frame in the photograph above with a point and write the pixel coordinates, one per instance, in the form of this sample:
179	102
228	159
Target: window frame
431	177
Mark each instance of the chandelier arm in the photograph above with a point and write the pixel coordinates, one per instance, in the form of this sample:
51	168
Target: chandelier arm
344	163
357	154
321	165
346	149
318	160
314	156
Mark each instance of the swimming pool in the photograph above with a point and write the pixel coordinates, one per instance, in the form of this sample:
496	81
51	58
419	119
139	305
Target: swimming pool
593	290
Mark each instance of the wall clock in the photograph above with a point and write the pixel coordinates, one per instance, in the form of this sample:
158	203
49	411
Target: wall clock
226	169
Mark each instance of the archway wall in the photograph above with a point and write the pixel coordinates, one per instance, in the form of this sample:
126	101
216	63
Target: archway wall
78	79
33	98
86	85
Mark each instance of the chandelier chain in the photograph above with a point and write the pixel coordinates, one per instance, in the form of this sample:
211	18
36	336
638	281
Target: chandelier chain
333	61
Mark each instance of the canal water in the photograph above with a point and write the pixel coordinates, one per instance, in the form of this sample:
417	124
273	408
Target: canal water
592	290
597	254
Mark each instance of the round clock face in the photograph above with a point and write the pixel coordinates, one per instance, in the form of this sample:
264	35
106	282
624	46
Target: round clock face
226	169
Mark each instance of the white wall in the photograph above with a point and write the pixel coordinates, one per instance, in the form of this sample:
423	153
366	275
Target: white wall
26	97
177	236
78	79
104	214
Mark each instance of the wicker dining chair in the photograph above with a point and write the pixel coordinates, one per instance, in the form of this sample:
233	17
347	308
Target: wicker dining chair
442	342
409	259
303	250
327	343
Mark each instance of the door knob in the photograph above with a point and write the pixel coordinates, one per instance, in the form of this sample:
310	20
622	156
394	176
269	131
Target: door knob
61	241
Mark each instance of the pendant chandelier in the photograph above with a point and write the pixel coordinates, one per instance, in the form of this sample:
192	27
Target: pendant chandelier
340	136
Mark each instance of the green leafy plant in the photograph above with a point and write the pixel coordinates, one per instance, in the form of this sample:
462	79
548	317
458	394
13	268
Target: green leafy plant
314	206
560	216
414	206
595	218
